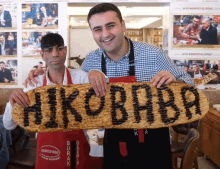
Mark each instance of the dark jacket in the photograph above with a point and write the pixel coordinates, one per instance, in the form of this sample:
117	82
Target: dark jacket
215	67
5	142
6	74
7	18
191	74
1	77
210	36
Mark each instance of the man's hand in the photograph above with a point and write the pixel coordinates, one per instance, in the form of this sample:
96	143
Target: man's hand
6	80
18	96
198	37
185	36
30	79
194	42
163	77
3	21
98	82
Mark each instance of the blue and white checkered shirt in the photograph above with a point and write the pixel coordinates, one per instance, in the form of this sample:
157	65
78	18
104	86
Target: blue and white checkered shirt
149	60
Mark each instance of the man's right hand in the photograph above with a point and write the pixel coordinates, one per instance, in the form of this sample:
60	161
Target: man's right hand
18	96
98	82
30	79
3	21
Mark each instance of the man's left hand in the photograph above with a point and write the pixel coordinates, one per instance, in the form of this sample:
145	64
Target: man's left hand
6	80
163	77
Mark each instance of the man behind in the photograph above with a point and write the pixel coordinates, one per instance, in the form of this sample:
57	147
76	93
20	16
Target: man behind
208	34
5	17
5	73
192	29
54	54
186	70
128	61
198	73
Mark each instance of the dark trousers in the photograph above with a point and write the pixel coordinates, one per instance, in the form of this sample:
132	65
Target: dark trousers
154	153
11	46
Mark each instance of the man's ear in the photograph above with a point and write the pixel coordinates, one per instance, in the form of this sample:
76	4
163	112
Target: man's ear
65	48
42	54
123	25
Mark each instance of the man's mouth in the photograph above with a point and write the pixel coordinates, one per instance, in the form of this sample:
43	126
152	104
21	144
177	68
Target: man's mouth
107	41
56	61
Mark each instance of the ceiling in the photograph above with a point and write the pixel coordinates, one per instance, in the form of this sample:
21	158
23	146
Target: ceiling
135	17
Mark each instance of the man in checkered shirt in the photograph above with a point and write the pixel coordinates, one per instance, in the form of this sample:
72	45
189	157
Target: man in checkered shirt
149	64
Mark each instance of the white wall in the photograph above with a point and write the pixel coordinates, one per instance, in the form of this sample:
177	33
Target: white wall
82	42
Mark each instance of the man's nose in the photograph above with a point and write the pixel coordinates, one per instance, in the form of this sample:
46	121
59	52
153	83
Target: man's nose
105	32
55	52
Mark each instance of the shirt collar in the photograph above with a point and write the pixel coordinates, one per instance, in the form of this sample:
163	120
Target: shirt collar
51	83
125	56
208	28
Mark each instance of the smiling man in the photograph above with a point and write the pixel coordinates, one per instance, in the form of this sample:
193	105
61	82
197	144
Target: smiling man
124	60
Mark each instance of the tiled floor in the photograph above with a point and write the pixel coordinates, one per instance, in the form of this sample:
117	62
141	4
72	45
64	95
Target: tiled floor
204	163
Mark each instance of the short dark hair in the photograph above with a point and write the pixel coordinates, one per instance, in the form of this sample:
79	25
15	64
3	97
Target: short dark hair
196	16
51	39
41	62
2	62
104	7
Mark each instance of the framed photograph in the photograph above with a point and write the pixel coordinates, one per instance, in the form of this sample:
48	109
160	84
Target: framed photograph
8	72
40	15
197	69
31	64
196	31
31	43
8	16
8	44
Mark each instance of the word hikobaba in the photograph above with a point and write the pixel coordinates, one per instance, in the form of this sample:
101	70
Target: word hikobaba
125	105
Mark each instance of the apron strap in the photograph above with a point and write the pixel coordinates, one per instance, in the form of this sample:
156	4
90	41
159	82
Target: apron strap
69	76
131	60
45	81
104	65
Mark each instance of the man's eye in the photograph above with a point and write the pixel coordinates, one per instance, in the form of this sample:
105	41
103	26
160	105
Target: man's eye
48	50
60	48
110	26
97	30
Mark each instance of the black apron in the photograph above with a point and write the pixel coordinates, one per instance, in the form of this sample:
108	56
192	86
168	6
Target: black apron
148	149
